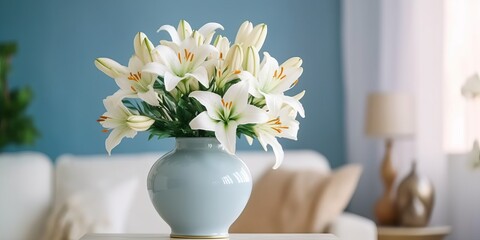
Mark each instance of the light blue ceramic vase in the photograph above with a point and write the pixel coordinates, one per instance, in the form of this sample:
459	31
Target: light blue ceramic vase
199	189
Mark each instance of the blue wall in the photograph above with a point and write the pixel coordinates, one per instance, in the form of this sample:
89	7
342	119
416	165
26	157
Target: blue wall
59	39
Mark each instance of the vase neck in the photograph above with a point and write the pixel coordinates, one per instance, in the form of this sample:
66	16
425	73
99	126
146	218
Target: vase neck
198	143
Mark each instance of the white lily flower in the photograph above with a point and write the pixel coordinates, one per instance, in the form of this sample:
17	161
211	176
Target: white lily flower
123	122
248	35
184	62
224	114
283	125
131	79
184	57
184	31
272	81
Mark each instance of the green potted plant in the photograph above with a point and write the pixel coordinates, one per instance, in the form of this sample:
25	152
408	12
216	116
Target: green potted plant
16	127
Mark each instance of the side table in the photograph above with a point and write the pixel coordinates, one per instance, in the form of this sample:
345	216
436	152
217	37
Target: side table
406	233
232	237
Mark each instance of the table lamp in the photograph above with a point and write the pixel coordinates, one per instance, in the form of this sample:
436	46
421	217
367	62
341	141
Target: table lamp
389	116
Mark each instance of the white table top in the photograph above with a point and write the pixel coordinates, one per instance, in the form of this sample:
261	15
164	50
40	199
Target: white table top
232	237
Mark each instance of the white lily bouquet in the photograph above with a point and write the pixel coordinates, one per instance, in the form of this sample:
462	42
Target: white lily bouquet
189	87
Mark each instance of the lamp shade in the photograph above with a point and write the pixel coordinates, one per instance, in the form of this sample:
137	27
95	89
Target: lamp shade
390	115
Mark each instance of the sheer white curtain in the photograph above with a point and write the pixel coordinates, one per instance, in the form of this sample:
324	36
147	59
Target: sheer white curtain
462	60
395	46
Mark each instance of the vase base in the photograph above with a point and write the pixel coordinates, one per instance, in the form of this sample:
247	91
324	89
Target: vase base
199	236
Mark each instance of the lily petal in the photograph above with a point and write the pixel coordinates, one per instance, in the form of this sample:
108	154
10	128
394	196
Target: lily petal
203	121
110	67
155	68
208	30
266	139
252	114
252	83
116	137
171	81
210	101
237	93
151	97
226	135
168	56
294	62
201	75
172	31
184	29
274	103
295	104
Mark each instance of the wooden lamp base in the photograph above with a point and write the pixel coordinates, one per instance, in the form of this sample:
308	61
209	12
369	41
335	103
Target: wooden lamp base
385	212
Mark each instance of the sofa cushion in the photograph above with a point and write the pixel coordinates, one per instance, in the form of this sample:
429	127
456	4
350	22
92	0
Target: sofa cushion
26	193
102	209
81	173
292	201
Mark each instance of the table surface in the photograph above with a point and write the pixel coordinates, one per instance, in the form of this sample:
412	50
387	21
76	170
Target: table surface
232	237
407	231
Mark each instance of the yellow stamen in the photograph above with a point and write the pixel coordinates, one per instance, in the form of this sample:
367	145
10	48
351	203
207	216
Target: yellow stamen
284	76
237	72
223	102
133	89
221	55
105	130
179	59
273	120
281	72
275	74
135	77
191	57
295	83
277	129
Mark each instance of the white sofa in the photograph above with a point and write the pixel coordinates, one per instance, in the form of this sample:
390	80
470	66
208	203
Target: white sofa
30	183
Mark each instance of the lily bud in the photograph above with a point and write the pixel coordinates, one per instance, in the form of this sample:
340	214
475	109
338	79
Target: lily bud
110	67
139	123
294	62
199	39
252	61
471	88
143	47
243	32
184	30
258	35
235	57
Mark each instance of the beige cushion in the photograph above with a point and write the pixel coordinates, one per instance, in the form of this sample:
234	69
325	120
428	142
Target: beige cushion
288	201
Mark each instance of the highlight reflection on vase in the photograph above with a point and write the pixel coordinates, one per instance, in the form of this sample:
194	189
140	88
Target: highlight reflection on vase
415	200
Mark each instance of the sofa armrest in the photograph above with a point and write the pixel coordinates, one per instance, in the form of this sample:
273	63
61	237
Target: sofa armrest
349	226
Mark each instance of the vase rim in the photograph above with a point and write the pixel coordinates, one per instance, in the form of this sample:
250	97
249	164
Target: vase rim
197	142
